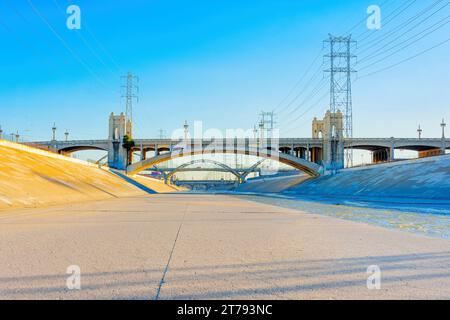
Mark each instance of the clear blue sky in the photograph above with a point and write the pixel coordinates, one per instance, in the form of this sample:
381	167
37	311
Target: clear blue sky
217	61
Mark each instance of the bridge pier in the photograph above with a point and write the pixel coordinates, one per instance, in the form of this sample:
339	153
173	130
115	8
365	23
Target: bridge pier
381	155
301	153
316	155
118	156
391	151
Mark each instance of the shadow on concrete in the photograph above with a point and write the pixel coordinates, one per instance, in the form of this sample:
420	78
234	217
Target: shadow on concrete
403	276
133	182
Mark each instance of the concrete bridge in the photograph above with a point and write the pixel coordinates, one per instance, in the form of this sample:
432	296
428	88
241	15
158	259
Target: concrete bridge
308	149
305	154
310	155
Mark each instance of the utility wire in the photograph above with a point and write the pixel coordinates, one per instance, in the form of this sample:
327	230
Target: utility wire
99	44
396	29
405	60
299	81
312	94
440	24
312	106
404	47
63	42
364	19
85	42
402	34
401	10
318	86
311	80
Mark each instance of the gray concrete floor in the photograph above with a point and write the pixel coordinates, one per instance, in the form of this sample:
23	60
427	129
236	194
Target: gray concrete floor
210	247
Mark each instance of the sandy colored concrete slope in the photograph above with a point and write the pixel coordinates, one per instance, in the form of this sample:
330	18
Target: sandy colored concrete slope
34	178
172	246
157	185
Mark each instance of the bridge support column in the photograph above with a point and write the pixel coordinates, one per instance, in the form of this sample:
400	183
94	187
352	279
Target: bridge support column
143	153
117	154
391	153
301	153
381	155
333	154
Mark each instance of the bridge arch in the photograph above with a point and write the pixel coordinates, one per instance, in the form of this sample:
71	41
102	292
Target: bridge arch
303	165
415	147
219	164
72	149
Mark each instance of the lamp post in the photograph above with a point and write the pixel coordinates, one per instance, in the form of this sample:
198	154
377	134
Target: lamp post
54	132
443	125
186	130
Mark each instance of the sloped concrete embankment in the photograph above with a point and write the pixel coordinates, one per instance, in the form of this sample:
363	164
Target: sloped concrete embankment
422	179
270	184
30	177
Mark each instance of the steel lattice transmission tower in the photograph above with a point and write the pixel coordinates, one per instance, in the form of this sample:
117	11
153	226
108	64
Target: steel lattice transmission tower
341	60
130	94
267	119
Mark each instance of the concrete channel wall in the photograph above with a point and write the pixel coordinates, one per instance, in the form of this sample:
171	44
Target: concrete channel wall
427	178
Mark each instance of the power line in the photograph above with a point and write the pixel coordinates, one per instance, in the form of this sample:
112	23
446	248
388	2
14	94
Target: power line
400	8
85	42
312	94
440	24
407	59
99	44
401	35
25	43
63	42
311	107
364	19
318	86
299	81
393	32
396	29
404	47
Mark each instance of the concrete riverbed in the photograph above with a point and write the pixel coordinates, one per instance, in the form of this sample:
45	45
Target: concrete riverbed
176	246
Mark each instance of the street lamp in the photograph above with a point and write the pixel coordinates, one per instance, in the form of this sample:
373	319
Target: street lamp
54	132
186	130
443	125
419	130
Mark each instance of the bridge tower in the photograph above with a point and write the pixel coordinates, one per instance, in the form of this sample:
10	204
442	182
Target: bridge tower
323	129
119	126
